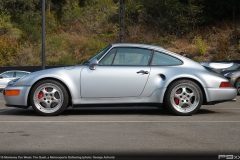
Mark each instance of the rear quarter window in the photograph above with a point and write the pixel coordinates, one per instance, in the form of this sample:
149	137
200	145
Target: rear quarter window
161	59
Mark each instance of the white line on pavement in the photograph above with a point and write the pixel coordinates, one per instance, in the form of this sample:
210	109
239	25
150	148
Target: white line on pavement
119	121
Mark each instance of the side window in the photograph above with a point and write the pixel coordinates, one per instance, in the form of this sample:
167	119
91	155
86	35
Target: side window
8	74
4	75
107	60
164	59
20	74
132	57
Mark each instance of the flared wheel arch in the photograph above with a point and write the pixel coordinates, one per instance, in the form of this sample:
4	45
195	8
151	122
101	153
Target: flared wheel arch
68	92
198	83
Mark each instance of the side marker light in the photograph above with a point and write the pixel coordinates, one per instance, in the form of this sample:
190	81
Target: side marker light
11	92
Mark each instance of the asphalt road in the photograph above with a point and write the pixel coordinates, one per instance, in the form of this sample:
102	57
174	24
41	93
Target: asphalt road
123	132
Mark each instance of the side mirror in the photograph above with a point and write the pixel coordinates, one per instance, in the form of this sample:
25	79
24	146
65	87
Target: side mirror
93	63
1	77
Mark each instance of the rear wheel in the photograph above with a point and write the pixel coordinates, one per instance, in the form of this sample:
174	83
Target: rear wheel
183	97
49	97
237	85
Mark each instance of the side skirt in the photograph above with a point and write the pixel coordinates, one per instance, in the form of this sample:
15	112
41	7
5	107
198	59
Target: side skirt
119	104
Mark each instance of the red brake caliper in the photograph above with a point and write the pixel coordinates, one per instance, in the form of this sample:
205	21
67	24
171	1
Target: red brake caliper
176	100
40	95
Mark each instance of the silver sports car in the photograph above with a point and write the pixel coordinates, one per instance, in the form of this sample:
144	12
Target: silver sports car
122	74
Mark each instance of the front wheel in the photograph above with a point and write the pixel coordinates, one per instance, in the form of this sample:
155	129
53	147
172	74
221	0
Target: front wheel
49	98
183	97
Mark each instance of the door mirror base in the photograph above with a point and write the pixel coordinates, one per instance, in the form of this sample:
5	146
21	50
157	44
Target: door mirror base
93	64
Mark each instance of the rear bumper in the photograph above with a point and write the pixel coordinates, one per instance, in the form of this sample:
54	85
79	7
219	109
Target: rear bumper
220	94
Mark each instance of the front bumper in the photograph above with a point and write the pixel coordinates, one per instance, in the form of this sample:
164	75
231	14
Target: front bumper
17	101
220	94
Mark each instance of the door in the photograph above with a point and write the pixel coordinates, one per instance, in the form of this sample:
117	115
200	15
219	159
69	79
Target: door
123	72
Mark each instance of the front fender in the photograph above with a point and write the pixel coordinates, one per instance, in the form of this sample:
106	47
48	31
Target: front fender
71	79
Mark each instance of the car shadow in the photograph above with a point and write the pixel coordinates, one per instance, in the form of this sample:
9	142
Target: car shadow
91	111
115	111
205	111
101	111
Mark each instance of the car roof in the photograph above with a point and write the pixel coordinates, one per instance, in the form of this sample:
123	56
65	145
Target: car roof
146	46
136	45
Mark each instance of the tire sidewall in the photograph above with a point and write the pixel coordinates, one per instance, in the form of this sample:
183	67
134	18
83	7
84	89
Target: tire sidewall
170	107
65	98
236	85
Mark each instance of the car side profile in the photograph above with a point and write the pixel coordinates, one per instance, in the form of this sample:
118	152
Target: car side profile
122	74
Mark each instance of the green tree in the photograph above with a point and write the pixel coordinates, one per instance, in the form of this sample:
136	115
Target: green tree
172	16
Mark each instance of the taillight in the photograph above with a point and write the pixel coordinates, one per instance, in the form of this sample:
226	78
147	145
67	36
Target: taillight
225	84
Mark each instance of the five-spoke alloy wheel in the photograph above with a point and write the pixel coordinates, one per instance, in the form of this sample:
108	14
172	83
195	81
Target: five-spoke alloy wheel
49	97
183	97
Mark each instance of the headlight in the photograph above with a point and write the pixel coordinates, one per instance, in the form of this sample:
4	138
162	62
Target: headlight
11	83
229	74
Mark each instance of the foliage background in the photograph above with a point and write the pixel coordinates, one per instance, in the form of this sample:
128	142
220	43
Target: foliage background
77	29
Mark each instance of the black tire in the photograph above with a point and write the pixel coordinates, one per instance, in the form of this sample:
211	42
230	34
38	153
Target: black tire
183	97
237	86
49	98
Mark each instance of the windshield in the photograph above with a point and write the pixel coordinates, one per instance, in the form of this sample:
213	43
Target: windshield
100	54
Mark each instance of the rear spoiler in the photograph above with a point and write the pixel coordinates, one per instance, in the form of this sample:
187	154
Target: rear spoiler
217	67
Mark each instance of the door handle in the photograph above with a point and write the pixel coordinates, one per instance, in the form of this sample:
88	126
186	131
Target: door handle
142	71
